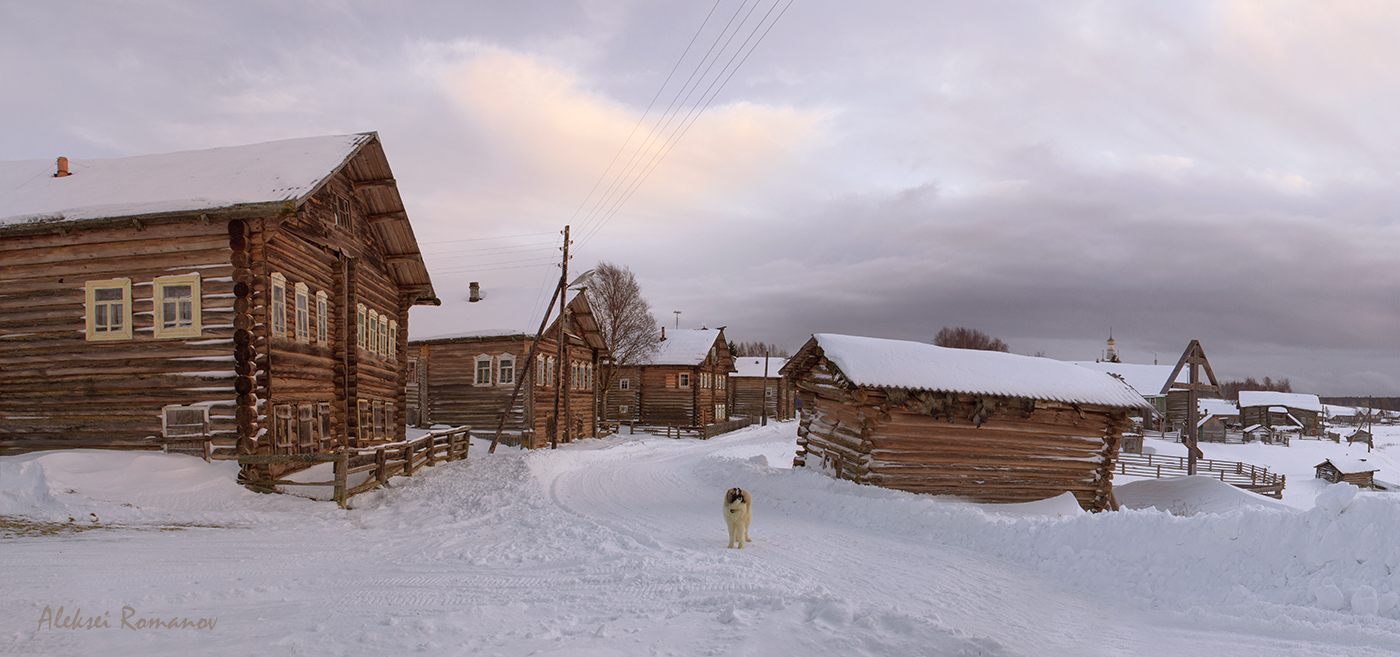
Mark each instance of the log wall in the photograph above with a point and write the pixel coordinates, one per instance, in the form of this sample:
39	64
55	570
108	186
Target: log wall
57	389
449	394
983	449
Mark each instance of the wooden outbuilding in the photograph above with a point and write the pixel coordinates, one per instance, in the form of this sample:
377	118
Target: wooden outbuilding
683	385
756	384
1282	409
468	377
1152	382
1356	472
253	295
983	425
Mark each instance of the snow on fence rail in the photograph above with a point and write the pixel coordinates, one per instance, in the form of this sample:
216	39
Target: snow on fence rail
1235	473
703	432
385	461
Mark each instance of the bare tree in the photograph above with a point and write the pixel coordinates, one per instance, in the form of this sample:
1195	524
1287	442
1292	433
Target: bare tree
967	338
758	349
625	320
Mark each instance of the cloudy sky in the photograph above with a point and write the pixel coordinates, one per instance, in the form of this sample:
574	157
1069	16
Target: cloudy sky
1223	171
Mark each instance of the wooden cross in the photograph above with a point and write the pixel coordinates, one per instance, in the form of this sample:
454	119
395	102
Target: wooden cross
1196	358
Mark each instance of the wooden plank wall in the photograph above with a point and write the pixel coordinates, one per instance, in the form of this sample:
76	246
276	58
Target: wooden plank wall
747	393
59	390
982	449
448	373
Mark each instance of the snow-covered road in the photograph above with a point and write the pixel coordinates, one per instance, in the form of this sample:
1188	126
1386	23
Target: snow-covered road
616	547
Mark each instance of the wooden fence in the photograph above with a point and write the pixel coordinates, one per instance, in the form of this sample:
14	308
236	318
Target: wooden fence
1241	475
702	432
385	461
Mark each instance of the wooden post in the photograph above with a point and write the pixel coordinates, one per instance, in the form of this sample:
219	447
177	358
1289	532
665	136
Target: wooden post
763	400
559	292
342	467
559	387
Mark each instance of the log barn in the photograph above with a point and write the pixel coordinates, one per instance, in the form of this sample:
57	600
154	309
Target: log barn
755	384
1279	410
986	426
1150	381
1356	472
254	296
468	377
684	384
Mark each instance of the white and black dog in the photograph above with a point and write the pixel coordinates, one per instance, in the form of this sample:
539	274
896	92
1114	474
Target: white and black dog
738	511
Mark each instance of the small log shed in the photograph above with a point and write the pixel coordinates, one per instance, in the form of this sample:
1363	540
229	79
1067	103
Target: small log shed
1346	470
983	425
1281	409
750	390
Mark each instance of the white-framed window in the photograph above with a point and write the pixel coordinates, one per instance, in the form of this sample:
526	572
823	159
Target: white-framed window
550	372
379	433
623	409
177	306
573	374
322	322
277	304
108	306
624	384
373	337
719	413
483	371
588	376
361	317
383	336
683	380
184	421
723	381
303	306
505	369
412	372
393	339
541	373
391	428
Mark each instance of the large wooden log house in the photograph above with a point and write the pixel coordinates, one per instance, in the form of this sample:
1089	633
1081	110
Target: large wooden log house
986	426
254	296
468	377
683	385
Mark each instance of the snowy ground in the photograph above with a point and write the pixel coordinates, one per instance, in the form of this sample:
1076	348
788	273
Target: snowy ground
616	547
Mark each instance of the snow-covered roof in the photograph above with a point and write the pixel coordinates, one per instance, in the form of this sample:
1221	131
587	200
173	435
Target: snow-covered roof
1348	465
1218	407
684	347
287	170
502	311
1253	398
914	365
1146	379
750	366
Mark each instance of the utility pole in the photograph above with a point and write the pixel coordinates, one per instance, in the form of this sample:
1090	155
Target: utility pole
764	400
678	319
561	423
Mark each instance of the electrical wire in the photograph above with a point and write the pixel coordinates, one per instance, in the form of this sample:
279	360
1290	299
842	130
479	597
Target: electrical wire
671	142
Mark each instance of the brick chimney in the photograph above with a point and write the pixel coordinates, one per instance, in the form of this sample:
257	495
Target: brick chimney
62	168
663	334
476	292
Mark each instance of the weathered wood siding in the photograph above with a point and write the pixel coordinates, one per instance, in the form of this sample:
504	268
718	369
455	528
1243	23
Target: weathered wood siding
59	390
1252	415
981	448
450	395
748	395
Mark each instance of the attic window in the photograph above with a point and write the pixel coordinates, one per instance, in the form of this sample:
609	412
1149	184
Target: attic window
342	210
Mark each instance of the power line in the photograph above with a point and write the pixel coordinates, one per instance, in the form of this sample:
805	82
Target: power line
671	142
